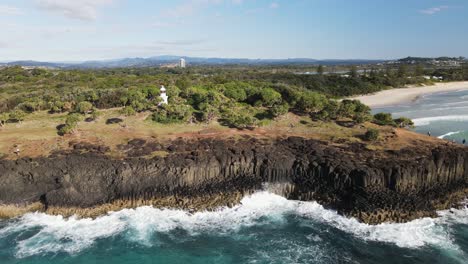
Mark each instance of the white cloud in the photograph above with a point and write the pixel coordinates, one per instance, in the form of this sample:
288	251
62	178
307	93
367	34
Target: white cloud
76	9
10	10
433	10
274	5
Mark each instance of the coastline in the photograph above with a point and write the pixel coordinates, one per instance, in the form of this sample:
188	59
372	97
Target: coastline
407	95
394	185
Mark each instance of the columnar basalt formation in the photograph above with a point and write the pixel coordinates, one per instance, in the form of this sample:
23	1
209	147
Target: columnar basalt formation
374	186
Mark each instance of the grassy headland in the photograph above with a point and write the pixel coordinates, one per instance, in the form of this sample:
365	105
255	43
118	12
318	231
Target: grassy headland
44	110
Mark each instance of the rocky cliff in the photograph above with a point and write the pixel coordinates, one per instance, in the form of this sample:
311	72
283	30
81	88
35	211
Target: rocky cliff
374	186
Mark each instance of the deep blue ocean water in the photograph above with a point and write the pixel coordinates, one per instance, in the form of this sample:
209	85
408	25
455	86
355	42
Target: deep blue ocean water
265	228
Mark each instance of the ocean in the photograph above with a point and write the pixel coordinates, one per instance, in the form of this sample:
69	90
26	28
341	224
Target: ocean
444	115
264	228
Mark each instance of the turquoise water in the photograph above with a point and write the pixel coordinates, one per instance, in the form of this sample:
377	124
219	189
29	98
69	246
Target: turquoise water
265	228
444	115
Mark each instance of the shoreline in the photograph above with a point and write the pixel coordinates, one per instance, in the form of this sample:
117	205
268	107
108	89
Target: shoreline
398	96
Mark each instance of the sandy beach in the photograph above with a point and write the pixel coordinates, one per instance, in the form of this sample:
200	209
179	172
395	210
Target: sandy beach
406	95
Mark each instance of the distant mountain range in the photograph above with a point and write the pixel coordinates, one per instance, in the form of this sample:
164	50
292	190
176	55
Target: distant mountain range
167	59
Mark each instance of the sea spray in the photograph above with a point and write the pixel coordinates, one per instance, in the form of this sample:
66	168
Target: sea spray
54	234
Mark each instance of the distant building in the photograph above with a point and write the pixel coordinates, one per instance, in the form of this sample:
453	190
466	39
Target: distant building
182	63
163	95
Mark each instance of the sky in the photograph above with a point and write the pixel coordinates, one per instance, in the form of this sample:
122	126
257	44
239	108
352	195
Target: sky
78	30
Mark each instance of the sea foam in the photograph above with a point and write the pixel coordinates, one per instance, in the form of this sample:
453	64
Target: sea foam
71	235
449	134
427	120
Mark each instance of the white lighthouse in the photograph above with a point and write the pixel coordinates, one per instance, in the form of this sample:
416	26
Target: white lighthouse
163	95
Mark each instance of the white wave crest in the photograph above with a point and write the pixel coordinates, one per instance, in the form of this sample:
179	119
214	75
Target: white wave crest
427	120
71	235
449	134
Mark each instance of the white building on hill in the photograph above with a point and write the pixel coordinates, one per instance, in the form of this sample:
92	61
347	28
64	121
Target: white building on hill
182	63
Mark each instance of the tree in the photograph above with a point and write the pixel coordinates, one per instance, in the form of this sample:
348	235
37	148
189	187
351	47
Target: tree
168	114
233	91
419	70
17	115
183	83
84	107
270	97
402	70
353	72
320	70
311	102
209	113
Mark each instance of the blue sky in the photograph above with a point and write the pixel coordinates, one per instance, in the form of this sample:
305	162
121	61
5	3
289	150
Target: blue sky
75	30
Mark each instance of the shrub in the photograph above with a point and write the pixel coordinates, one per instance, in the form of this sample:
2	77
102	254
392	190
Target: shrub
128	111
371	134
311	102
239	119
16	116
95	115
168	114
73	119
360	118
29	107
384	119
279	109
65	129
84	107
56	106
404	122
347	108
233	91
270	97
70	124
329	111
3	118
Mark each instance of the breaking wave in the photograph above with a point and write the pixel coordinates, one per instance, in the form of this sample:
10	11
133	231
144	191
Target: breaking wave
427	120
56	234
449	134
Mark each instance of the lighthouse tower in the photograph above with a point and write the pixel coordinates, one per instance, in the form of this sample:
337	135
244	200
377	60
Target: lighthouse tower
163	95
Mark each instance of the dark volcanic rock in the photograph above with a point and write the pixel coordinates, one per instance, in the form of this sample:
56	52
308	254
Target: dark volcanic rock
373	186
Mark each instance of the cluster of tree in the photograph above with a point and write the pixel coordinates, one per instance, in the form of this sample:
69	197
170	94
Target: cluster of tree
237	98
